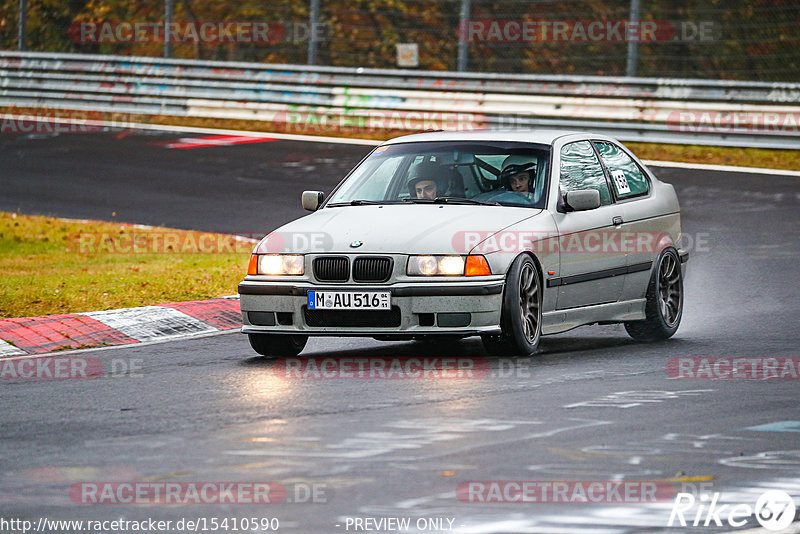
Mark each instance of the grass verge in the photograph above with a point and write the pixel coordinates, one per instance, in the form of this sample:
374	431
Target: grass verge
719	155
50	266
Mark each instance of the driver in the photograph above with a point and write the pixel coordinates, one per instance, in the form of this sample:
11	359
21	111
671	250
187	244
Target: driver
427	181
518	174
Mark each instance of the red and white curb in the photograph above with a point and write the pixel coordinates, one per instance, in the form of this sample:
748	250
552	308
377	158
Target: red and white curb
39	335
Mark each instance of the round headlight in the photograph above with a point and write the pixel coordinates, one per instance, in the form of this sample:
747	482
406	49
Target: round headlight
293	264
426	265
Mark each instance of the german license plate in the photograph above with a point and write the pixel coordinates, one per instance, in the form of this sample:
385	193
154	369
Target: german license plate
349	300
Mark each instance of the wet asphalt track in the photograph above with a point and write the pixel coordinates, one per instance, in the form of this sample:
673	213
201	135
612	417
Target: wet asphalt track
593	406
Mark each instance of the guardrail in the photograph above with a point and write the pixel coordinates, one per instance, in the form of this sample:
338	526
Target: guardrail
712	112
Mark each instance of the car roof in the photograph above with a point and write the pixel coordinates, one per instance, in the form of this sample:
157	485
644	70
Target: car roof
545	137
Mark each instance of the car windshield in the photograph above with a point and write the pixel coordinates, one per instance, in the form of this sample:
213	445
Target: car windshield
493	173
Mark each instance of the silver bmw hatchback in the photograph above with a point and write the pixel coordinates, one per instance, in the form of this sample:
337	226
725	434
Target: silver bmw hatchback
503	235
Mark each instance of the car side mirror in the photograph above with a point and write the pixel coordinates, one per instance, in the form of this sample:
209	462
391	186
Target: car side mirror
583	199
312	200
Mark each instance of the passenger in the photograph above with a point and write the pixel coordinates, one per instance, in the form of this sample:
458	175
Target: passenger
519	175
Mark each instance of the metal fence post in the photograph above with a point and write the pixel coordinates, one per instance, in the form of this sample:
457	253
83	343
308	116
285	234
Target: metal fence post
22	37
463	41
633	44
169	10
313	41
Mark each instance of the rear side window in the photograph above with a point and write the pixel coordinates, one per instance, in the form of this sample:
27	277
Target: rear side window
580	169
627	178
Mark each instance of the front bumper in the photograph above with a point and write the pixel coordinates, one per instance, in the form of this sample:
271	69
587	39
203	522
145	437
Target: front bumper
419	309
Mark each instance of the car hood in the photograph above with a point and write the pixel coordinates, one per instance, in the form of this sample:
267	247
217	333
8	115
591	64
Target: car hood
398	229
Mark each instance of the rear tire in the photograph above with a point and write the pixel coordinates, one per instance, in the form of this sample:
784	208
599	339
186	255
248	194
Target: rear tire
277	344
664	307
521	318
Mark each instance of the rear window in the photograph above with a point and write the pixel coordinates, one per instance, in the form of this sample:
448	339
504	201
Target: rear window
627	178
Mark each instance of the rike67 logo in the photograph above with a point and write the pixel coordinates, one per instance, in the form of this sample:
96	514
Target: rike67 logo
774	510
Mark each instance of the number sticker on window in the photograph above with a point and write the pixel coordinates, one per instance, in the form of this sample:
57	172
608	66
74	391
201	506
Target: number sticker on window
620	182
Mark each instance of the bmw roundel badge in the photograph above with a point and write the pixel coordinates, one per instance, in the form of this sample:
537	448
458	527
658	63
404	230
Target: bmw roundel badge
356	244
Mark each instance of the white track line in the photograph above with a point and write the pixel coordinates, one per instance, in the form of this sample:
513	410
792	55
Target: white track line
193	129
370	142
245	133
722	168
364	142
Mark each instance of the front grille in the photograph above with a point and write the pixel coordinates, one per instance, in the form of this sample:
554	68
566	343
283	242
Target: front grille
332	269
363	318
369	269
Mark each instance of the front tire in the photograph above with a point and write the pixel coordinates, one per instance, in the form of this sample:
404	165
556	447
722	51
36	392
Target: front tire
277	344
664	307
521	319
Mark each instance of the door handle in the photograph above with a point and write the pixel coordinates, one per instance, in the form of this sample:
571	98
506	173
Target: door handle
617	221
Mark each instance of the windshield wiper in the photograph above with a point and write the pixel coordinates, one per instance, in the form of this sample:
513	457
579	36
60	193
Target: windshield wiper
437	200
459	200
362	202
